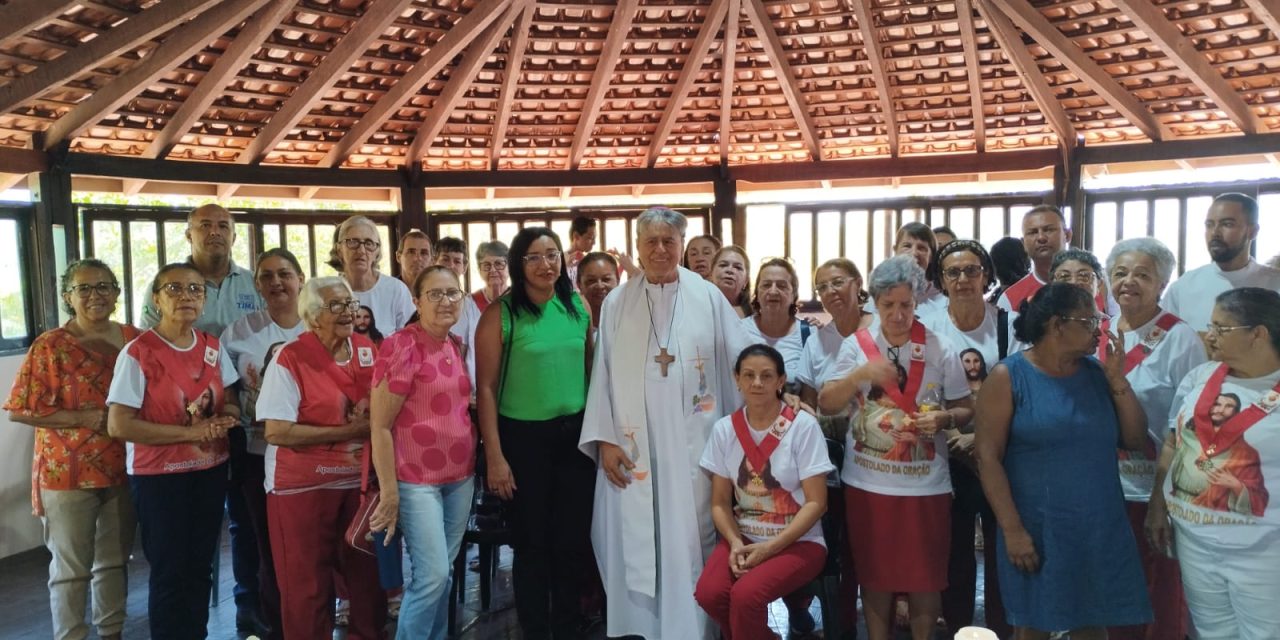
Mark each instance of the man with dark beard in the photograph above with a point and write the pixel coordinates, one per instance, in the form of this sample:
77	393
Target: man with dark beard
975	368
1229	230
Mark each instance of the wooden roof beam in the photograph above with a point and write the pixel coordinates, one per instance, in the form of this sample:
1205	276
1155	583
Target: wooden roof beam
619	28
131	187
973	69
875	59
693	64
510	80
1183	53
460	78
127	36
1268	13
729	46
1029	73
786	79
21	16
1084	67
379	15
233	59
180	44
449	46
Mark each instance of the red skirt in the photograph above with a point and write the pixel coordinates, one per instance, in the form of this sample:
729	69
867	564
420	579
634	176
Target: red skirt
900	544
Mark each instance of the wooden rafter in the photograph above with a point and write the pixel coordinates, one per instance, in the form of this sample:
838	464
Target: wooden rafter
21	16
129	35
730	56
973	69
1028	72
1153	21
11	180
875	59
1084	67
460	78
379	15
1268	13
510	78
619	27
131	187
307	193
449	46
777	55
232	60
692	65
180	44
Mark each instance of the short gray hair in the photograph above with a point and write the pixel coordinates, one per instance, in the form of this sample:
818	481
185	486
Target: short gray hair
335	254
495	248
895	272
311	303
661	215
1077	255
1150	247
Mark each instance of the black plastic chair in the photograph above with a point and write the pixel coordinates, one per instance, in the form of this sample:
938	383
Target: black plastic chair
487	528
826	587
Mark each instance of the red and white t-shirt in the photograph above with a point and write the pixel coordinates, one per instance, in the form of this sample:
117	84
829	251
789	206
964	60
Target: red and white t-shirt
435	442
304	385
172	386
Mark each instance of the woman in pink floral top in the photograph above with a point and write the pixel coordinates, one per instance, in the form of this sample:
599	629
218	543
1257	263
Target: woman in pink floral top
424	448
77	477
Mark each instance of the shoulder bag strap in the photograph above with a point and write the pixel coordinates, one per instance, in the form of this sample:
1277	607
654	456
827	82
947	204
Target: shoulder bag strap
1002	332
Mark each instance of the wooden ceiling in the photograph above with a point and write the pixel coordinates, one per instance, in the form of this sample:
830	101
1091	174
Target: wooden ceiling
548	84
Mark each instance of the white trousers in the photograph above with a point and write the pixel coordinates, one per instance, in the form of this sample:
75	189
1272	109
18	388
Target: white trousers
1233	594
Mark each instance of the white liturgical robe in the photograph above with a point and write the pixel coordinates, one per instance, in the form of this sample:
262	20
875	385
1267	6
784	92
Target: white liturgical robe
652	538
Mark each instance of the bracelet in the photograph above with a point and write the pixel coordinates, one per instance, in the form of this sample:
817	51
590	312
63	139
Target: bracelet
951	418
1118	393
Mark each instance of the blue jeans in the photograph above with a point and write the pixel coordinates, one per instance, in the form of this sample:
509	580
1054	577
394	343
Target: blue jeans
433	519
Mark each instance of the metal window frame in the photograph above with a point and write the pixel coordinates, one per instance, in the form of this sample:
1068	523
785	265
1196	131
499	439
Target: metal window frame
22	215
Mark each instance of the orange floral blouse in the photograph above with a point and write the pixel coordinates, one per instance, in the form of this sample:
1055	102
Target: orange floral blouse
59	374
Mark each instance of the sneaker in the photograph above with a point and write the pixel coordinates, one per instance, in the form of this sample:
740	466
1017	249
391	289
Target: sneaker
342	613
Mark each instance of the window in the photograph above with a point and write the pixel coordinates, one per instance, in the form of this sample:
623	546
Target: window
136	241
16	297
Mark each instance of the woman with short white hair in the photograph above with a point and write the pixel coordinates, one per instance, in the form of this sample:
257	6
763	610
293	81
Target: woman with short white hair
315	402
356	253
907	387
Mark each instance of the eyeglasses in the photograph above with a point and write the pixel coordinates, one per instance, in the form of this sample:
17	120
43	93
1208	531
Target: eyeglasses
355	243
496	265
436	295
1216	330
104	289
1083	277
550	257
338	306
1092	323
969	271
176	289
834	284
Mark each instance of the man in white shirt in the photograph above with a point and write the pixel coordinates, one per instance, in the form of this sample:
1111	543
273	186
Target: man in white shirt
1229	230
413	255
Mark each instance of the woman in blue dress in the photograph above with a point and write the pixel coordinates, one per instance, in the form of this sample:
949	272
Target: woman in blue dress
1049	422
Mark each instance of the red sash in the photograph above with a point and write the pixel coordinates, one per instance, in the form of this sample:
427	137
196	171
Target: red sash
905	398
481	301
176	362
1140	351
353	381
1216	442
758	455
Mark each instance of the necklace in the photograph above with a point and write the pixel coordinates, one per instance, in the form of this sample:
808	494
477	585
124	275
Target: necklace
663	358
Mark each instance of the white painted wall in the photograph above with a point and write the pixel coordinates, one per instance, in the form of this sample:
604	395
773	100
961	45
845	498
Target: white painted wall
19	530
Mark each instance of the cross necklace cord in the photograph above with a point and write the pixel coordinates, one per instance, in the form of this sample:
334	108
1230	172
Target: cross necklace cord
663	358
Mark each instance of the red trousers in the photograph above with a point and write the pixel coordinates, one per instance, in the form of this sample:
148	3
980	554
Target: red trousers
741	606
1164	586
307	549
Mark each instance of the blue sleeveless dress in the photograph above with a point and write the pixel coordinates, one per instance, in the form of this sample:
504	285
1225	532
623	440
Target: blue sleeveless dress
1061	463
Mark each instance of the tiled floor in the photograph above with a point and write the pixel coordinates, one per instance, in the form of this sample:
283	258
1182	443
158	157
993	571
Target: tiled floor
24	603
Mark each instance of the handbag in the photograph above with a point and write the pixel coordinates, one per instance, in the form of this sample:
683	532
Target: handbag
358	534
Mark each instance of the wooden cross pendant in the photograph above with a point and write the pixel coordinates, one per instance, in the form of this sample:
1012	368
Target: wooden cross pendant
663	359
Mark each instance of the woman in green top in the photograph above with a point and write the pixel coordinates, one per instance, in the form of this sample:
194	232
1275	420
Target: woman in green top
533	355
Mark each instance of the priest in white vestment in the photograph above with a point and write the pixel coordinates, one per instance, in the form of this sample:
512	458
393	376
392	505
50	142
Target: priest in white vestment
663	374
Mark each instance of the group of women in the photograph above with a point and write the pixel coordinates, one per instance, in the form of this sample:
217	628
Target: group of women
1094	450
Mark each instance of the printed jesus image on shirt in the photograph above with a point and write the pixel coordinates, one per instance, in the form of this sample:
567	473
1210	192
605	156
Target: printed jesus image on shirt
201	408
1230	481
761	498
882	430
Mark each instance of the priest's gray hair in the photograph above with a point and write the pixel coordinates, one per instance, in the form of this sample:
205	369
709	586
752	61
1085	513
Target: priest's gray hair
311	301
895	272
661	215
1150	247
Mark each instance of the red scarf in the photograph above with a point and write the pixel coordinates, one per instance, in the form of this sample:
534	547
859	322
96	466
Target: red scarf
758	455
1140	351
904	398
1217	441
